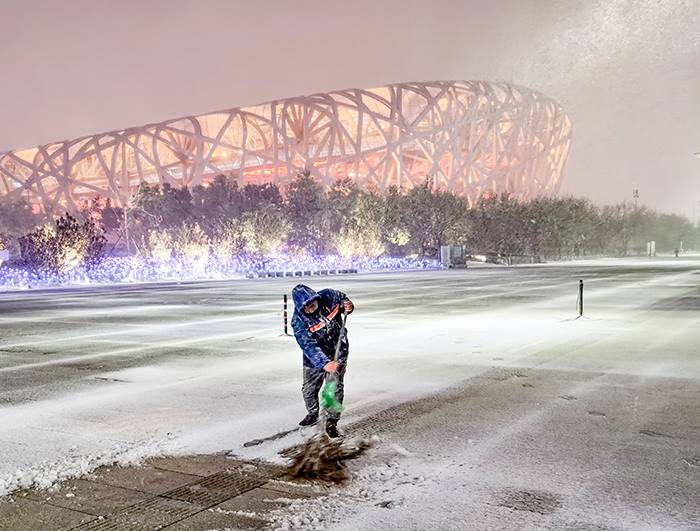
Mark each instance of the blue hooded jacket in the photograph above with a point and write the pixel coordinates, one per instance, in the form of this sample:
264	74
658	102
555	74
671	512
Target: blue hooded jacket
317	333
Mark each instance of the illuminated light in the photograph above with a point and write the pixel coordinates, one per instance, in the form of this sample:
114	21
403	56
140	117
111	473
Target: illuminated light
138	269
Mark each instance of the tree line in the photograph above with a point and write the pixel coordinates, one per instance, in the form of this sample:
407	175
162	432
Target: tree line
224	218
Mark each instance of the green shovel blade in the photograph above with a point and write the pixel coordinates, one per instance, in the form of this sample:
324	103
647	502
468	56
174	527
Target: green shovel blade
328	400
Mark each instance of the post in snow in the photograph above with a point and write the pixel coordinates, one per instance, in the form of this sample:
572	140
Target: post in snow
580	298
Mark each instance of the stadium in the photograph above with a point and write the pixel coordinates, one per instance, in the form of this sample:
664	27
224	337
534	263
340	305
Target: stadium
469	137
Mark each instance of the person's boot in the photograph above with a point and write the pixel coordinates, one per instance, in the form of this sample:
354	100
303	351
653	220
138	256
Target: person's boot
332	428
309	419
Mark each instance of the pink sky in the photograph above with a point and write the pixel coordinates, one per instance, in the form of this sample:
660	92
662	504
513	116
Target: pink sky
626	71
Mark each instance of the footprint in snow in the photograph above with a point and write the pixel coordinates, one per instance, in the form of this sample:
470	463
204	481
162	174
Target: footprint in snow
568	397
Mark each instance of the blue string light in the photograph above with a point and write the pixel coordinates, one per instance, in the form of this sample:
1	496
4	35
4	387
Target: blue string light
137	269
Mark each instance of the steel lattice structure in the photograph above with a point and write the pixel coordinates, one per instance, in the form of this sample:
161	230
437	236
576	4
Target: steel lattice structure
471	137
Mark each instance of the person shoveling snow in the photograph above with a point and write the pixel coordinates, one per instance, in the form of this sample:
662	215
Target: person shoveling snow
319	328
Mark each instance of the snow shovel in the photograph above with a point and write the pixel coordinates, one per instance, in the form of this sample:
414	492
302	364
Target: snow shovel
328	400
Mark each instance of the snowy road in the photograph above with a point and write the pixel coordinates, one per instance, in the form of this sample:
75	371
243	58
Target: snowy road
604	410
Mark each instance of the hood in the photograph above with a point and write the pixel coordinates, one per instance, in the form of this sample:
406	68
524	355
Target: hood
302	294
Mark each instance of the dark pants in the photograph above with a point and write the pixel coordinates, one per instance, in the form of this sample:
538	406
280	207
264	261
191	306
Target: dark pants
313	382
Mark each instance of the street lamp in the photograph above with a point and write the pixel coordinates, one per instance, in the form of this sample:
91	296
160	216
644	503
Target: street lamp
698	222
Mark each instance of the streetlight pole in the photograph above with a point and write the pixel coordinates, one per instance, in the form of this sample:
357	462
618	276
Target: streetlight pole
698	219
635	219
126	230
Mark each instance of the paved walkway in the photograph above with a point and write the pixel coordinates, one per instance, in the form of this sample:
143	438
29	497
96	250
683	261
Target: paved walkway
184	493
540	446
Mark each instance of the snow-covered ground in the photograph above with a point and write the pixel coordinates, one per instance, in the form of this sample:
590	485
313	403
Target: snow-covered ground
92	375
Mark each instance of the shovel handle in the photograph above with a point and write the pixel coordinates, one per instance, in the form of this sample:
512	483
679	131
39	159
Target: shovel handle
340	337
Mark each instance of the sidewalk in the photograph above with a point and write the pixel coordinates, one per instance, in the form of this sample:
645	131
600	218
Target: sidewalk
182	493
543	445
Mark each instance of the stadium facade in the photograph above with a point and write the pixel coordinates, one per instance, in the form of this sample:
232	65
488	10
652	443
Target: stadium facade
470	137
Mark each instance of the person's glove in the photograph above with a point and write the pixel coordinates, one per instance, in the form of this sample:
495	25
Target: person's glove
331	366
348	306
